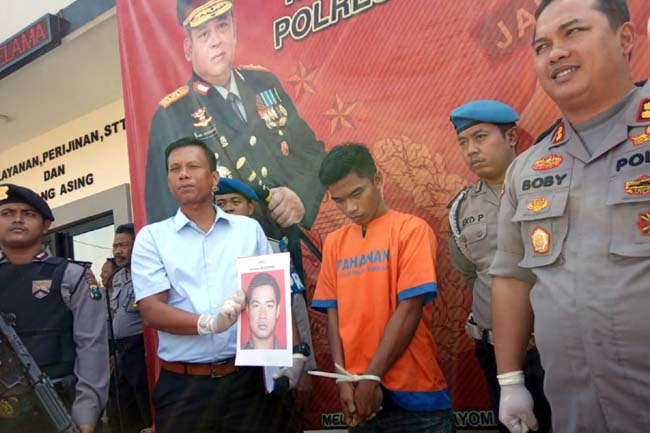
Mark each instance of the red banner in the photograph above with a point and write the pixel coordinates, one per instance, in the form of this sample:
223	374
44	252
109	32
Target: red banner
385	73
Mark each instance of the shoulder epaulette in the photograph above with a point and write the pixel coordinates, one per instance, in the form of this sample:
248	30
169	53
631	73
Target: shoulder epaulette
544	134
462	190
454	210
641	83
174	96
80	263
253	68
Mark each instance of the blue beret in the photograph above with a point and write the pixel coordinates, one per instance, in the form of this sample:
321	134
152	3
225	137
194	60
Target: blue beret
482	111
10	193
229	186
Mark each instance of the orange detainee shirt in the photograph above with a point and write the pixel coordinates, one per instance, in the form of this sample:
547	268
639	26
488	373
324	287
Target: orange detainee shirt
365	278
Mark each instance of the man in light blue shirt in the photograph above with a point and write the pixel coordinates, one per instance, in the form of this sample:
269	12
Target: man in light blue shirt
185	280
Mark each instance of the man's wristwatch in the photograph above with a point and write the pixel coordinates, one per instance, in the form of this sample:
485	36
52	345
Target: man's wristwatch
302	348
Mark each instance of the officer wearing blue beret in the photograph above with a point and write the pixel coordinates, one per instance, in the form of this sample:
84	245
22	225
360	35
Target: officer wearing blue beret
488	139
235	197
57	304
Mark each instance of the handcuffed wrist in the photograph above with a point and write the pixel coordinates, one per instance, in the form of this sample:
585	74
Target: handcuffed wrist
511	378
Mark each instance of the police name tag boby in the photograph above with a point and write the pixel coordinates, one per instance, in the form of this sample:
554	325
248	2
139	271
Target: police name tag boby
264	331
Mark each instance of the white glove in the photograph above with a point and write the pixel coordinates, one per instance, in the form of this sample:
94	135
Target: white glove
516	403
294	372
228	315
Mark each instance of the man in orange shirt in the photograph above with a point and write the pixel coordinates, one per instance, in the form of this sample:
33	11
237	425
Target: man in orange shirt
377	282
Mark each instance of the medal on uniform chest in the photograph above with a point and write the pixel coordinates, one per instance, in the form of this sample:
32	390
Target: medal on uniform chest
270	109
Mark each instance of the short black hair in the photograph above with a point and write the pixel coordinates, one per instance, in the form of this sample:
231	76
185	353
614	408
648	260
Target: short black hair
263	279
616	11
191	141
126	228
344	159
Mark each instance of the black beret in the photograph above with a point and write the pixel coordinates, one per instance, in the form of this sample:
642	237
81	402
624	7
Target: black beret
10	193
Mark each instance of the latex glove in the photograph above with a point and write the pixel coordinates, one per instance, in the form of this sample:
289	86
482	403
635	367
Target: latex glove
286	207
516	403
228	315
86	428
294	372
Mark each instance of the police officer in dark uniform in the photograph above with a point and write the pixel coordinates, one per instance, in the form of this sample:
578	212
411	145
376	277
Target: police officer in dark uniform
58	308
245	117
488	138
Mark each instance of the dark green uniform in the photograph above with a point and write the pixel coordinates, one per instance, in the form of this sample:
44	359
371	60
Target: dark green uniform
274	147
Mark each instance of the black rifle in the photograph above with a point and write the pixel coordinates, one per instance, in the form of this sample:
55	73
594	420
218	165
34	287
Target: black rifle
20	374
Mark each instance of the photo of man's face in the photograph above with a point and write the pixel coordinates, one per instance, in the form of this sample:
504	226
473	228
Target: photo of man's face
263	309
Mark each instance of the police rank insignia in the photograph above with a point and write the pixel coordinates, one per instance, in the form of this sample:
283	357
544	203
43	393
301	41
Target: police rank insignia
560	133
94	291
644	111
643	223
203	119
638	186
641	138
541	240
9	408
41	288
537	204
174	96
270	108
4	192
548	162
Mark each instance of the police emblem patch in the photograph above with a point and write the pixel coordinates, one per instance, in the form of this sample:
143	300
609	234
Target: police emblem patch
94	291
541	240
560	133
9	408
641	138
4	192
638	186
41	288
203	119
643	223
548	162
538	204
644	111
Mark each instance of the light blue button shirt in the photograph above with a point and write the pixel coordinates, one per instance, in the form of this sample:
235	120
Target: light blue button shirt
199	272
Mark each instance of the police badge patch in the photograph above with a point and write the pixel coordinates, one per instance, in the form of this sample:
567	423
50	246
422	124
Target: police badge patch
94	291
41	288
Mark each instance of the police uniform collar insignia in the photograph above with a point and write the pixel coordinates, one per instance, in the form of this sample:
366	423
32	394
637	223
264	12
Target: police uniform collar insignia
41	256
638	186
41	288
537	204
203	119
478	187
559	135
548	162
642	138
174	96
4	192
643	112
201	88
643	223
541	240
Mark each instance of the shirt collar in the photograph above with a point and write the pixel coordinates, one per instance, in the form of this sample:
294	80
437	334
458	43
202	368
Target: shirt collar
233	87
181	220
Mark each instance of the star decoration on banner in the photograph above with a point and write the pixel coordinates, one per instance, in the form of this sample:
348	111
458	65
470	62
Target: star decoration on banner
303	80
340	115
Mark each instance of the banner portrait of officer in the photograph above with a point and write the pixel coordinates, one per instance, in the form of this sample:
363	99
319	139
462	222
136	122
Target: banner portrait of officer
245	117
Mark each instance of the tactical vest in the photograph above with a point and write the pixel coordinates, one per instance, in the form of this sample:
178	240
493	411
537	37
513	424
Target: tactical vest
43	322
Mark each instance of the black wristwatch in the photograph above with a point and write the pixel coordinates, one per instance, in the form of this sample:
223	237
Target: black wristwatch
302	348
